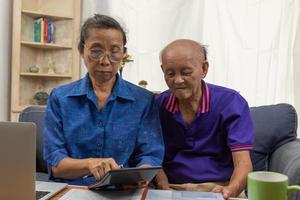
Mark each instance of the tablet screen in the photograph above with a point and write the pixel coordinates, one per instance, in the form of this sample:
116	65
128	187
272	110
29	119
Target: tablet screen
125	176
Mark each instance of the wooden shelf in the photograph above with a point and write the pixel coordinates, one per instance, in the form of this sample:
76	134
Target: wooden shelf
46	75
61	55
36	14
46	45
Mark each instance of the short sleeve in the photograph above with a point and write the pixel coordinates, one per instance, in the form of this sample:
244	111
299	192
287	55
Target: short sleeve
238	124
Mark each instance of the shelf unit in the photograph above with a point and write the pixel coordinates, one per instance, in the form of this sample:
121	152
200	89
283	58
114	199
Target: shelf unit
61	56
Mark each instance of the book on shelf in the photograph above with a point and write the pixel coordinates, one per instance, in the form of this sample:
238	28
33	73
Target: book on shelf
43	30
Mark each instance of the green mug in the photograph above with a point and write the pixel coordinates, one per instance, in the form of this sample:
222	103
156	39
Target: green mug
264	185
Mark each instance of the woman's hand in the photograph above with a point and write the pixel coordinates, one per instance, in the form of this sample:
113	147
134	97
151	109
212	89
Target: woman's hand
98	167
162	182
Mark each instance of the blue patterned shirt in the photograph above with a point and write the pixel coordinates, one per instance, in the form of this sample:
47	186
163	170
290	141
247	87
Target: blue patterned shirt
126	129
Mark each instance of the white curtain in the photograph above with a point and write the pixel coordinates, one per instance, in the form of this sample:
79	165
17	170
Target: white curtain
150	26
250	42
250	47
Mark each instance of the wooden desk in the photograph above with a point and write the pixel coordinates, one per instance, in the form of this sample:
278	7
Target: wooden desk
64	191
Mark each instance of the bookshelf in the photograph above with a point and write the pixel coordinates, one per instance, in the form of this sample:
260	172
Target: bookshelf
57	62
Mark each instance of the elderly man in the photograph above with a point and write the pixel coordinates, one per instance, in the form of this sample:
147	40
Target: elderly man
207	129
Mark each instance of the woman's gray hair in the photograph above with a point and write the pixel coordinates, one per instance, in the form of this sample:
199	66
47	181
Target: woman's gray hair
99	22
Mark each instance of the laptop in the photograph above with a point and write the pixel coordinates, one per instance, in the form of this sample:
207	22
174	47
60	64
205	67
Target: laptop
18	164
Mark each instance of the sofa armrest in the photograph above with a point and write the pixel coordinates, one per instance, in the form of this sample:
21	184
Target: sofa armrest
286	160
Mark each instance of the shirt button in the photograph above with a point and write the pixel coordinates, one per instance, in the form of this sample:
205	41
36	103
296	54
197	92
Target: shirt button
99	145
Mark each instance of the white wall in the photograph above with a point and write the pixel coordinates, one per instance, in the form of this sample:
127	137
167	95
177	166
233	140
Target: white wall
5	56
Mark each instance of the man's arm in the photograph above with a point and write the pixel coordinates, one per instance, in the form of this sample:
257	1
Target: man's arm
242	166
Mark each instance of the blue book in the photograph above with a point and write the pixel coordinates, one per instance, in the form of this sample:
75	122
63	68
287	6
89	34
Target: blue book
49	32
38	30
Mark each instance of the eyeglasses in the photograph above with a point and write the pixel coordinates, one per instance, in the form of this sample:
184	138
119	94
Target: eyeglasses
97	54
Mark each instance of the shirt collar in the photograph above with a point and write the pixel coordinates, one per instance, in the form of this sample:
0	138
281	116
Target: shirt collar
119	90
172	104
82	88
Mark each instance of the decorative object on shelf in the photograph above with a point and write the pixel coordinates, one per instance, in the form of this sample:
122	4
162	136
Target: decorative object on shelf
126	59
34	69
50	66
41	97
143	83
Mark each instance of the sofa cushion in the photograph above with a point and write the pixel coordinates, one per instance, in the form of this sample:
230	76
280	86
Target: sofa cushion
274	125
36	114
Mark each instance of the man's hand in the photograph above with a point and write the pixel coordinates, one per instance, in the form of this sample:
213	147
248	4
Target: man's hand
226	191
98	167
242	166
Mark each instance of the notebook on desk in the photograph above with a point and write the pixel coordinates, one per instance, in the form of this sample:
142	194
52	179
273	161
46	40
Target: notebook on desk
139	194
18	164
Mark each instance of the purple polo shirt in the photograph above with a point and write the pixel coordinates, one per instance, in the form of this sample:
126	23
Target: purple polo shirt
202	151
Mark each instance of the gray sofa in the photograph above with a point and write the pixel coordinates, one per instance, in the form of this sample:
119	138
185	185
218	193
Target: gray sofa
276	147
36	114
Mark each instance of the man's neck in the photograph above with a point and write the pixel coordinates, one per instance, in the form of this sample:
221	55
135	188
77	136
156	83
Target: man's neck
189	107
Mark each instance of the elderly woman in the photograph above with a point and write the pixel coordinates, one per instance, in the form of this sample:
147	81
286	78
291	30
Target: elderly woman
101	121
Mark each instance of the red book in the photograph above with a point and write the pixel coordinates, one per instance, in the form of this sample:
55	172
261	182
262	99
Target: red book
45	30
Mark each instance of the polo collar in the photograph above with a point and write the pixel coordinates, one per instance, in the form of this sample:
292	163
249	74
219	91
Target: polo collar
172	104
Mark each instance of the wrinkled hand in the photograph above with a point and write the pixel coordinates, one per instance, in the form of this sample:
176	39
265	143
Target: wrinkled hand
98	167
163	185
162	182
226	191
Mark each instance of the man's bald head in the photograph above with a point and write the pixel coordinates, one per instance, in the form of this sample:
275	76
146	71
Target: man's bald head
185	45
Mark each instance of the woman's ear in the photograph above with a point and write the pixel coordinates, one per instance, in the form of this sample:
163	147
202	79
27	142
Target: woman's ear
125	55
81	54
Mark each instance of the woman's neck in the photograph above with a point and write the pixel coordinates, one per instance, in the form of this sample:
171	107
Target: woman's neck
103	90
103	86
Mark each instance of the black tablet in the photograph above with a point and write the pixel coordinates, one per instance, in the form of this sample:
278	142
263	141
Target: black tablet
125	176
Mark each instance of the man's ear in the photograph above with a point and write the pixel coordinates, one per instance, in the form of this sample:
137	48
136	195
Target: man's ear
205	69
